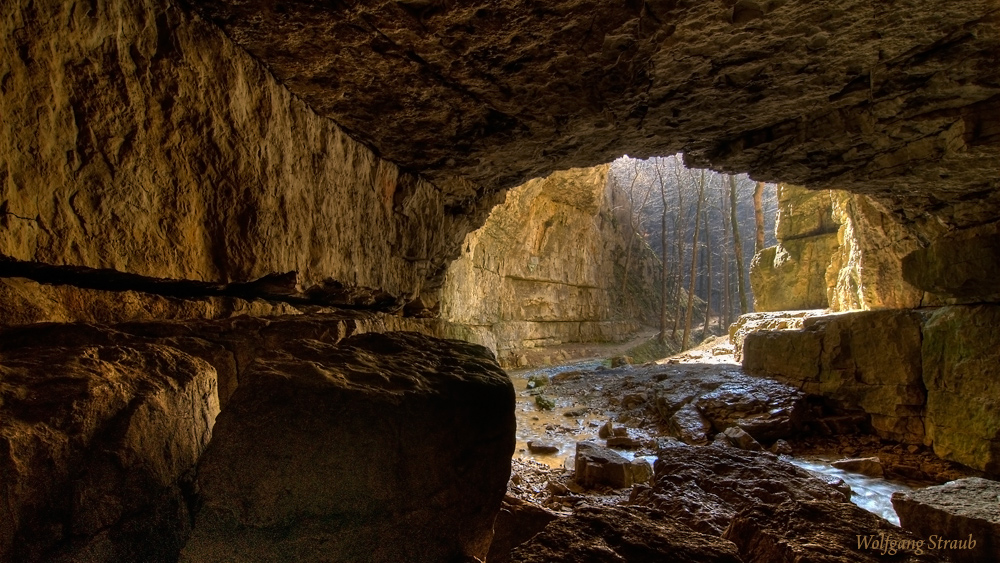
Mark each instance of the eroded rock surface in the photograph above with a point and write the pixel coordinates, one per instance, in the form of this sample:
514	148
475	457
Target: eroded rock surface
165	150
384	447
615	535
816	530
961	369
97	448
849	95
962	511
703	487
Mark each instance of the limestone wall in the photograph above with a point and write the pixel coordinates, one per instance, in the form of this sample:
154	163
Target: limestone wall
137	137
835	250
547	266
922	376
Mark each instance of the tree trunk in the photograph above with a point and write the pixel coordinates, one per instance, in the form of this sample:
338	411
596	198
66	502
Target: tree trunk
727	293
662	337
679	228
737	245
634	220
694	264
708	277
758	215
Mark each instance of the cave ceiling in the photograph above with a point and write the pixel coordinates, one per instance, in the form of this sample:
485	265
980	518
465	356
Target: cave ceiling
898	99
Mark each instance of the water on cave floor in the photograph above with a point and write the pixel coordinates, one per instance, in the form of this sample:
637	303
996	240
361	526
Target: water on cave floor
553	427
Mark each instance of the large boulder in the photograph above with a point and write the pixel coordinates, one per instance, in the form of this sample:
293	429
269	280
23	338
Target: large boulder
962	517
752	322
763	408
865	360
384	447
704	487
97	449
622	535
961	369
822	531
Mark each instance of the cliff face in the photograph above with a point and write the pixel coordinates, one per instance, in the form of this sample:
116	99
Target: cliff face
137	137
835	250
547	267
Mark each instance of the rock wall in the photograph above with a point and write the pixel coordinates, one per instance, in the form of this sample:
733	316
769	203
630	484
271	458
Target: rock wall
547	267
835	250
922	376
136	137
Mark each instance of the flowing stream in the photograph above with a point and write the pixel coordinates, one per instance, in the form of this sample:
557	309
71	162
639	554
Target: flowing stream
568	423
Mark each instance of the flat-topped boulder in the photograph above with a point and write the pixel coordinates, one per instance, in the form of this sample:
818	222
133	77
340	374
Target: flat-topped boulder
384	447
961	517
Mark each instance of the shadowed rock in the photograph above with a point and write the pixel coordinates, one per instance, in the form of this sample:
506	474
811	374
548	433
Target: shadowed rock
703	487
97	445
384	447
617	535
959	511
822	531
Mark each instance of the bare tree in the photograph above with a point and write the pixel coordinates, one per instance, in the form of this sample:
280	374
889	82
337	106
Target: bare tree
662	337
737	245
758	215
679	228
694	264
634	219
708	276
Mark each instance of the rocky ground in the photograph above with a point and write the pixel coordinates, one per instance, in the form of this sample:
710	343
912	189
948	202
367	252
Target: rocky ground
713	436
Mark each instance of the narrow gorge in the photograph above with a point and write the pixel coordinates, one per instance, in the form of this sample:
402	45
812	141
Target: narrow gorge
262	266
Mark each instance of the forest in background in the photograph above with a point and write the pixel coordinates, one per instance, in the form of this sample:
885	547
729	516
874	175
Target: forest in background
686	217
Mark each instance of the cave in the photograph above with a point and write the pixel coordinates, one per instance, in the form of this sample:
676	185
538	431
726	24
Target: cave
226	229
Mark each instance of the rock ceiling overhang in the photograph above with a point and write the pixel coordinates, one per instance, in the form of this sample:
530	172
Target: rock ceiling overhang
899	99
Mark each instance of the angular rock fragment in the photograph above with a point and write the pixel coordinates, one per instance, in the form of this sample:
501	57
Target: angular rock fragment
871	466
616	535
689	425
737	438
596	466
97	445
962	517
384	447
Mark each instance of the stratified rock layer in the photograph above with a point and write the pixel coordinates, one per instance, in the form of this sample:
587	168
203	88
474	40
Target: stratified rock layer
835	250
97	446
962	511
547	267
384	447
